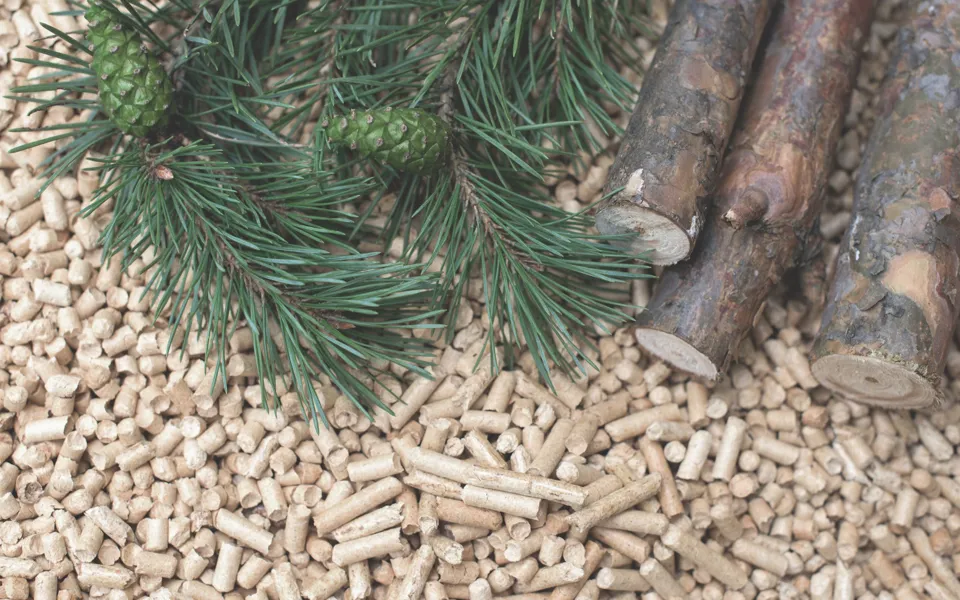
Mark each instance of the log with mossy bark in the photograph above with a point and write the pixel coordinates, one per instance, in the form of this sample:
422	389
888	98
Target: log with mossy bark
893	305
668	159
770	192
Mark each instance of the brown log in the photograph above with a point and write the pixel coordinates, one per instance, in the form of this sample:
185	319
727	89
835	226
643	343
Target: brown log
668	161
892	305
771	190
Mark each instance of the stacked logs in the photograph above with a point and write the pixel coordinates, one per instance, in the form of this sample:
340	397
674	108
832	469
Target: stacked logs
891	311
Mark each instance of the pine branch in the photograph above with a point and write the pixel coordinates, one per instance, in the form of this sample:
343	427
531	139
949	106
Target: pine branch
543	274
240	208
213	268
219	255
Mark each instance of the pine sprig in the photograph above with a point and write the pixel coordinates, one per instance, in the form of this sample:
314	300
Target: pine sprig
483	66
213	263
243	212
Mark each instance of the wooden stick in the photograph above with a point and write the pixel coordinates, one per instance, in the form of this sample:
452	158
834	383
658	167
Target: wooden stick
668	160
770	192
891	312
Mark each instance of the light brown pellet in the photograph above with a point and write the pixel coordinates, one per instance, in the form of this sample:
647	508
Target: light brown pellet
371	546
636	424
252	571
545	462
418	571
363	501
625	580
241	529
760	556
670	501
726	461
374	469
375	521
228	565
112	577
467	513
684	543
615	502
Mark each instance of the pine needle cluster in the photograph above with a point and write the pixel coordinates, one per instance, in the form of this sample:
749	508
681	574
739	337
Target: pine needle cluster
245	214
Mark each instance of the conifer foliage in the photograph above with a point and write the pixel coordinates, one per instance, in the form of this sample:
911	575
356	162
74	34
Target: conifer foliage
252	152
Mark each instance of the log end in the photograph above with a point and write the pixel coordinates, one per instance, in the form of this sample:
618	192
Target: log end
650	232
875	382
677	352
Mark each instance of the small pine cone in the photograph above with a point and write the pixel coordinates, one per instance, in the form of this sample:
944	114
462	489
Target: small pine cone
407	139
135	91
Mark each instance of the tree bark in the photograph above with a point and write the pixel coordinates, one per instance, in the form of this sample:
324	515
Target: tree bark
892	305
771	190
668	160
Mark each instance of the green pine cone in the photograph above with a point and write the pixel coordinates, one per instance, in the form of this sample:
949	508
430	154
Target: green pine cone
407	139
135	91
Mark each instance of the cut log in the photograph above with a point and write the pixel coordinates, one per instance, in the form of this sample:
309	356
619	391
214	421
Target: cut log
893	305
669	157
771	190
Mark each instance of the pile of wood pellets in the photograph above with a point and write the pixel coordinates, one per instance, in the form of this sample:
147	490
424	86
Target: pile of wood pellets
123	476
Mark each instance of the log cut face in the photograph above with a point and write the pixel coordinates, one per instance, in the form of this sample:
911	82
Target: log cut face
671	151
771	190
893	303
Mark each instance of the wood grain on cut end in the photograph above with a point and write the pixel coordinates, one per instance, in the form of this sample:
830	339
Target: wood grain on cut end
875	381
662	241
676	351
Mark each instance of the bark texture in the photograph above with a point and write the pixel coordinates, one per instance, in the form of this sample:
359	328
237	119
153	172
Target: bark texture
771	190
672	149
892	305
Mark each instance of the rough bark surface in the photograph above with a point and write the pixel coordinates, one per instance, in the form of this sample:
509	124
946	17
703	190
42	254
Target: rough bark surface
671	152
771	190
892	305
